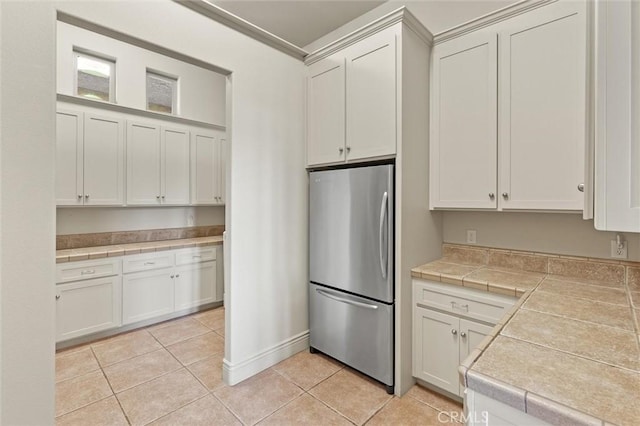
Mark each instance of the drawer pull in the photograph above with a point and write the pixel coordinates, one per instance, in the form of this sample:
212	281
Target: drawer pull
87	272
463	334
197	257
454	331
454	305
149	263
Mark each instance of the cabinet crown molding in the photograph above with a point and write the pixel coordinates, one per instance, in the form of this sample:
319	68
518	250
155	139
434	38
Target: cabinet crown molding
499	15
401	14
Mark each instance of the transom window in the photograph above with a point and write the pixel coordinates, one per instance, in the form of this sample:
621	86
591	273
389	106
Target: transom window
95	77
162	93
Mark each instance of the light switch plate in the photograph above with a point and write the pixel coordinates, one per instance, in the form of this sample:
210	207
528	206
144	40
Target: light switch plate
471	236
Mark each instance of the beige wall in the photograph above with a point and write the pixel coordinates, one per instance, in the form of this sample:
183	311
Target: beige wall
82	220
27	212
558	233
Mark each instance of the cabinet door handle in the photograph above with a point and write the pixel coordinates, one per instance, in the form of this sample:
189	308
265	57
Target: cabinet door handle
163	197
505	195
88	272
172	276
340	150
57	297
86	197
454	331
463	334
581	187
492	195
177	275
79	196
348	149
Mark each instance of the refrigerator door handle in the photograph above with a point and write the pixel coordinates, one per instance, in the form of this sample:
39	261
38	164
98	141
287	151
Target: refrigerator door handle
383	215
347	301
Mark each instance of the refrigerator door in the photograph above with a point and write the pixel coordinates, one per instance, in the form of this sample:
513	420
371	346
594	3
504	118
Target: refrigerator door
356	331
351	230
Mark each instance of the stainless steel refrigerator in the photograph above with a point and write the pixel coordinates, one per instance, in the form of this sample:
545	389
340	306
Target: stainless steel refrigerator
351	297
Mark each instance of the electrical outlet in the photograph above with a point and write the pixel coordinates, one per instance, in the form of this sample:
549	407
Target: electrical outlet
618	252
471	236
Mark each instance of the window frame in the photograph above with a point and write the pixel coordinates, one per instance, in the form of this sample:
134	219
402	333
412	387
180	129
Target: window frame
111	62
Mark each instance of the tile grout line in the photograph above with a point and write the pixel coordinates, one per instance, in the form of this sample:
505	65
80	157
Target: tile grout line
106	378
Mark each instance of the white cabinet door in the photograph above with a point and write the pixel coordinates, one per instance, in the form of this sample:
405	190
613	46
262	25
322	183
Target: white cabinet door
175	166
617	204
195	285
103	160
543	109
86	307
371	96
143	164
147	294
69	158
326	111
435	346
471	335
464	142
206	152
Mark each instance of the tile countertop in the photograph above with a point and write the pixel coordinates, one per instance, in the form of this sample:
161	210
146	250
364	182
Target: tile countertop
72	255
568	352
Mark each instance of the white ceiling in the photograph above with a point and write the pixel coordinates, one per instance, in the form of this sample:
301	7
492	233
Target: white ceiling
313	23
299	22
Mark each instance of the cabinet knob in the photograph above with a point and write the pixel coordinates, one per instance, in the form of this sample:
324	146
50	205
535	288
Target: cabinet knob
340	150
581	187
86	197
492	195
348	149
505	195
163	197
157	197
172	276
454	331
57	297
463	334
177	275
79	196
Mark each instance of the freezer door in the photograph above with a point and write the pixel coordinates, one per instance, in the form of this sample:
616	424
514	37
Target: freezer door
353	330
351	230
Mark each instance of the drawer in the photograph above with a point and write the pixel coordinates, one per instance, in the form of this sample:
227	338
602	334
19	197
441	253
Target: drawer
147	261
476	304
197	255
87	269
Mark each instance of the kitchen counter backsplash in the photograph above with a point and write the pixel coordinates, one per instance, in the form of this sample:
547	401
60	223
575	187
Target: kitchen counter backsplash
73	241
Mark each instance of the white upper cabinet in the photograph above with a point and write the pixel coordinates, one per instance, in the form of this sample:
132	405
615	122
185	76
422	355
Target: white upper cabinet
157	165
371	96
463	128
89	159
351	101
69	158
208	168
143	164
543	109
617	200
326	111
509	128
174	167
103	160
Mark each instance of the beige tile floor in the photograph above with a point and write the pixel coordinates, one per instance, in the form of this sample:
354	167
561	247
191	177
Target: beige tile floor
171	374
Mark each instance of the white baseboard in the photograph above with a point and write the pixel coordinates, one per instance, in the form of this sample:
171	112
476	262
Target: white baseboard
235	373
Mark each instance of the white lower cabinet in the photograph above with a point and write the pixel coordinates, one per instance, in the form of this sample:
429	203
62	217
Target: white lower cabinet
147	294
167	282
441	339
98	295
195	285
86	306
